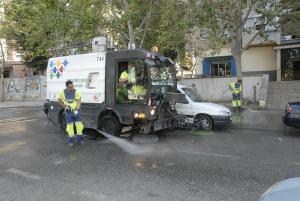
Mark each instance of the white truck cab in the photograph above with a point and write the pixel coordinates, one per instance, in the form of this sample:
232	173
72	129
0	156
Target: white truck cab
197	111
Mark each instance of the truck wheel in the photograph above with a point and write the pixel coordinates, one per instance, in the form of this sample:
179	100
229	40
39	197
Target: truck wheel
204	121
110	125
63	125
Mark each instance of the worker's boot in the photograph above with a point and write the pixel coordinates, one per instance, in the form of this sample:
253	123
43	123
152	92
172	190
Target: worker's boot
71	141
80	139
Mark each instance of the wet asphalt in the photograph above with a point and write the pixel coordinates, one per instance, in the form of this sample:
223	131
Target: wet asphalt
185	165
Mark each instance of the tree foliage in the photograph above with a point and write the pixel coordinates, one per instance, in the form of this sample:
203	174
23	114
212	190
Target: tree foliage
129	21
36	27
290	21
40	29
172	26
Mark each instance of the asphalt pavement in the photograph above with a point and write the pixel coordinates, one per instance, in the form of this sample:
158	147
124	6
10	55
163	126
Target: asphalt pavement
186	165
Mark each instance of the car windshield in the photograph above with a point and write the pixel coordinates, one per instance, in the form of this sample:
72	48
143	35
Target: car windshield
192	94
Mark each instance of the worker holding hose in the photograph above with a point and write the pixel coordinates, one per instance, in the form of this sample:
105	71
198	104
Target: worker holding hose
70	99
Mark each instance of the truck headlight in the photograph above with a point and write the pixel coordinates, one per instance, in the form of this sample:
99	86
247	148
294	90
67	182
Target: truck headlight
152	112
138	115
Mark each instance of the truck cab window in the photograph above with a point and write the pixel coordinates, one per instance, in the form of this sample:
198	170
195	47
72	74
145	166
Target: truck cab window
132	82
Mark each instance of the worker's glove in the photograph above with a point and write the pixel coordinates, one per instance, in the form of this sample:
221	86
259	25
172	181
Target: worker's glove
75	112
68	108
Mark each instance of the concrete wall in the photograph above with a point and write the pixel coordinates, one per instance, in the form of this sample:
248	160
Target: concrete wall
28	88
272	74
216	89
210	89
259	59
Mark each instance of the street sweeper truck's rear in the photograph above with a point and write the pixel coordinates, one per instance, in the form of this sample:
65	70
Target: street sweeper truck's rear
121	89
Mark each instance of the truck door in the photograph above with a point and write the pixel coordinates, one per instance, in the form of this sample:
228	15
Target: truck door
132	82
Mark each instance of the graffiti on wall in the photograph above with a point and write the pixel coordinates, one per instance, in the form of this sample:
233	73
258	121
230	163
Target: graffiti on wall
13	88
32	87
43	88
29	88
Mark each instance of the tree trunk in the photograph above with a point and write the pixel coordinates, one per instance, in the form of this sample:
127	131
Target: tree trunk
147	23
236	50
1	72
131	32
238	62
131	35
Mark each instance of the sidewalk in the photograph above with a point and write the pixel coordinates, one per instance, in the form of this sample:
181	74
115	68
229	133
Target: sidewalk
260	119
14	104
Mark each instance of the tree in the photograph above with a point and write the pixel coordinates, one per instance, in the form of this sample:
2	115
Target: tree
290	21
226	19
129	21
41	29
171	26
34	27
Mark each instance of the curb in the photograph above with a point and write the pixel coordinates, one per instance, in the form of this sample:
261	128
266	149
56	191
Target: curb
12	104
283	128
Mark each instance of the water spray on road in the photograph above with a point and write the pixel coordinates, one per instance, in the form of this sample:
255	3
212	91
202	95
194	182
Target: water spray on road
129	147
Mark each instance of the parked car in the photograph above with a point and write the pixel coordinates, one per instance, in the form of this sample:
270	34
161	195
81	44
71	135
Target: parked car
292	114
196	111
286	190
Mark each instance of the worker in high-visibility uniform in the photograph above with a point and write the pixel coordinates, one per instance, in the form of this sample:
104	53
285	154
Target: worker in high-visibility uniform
138	91
122	91
123	77
70	99
236	89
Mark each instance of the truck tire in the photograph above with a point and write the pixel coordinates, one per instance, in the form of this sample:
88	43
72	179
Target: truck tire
110	125
204	121
63	124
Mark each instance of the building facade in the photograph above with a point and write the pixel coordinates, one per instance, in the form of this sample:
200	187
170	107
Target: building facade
275	55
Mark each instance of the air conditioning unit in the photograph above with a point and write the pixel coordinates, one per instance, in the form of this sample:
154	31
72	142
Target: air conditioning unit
99	44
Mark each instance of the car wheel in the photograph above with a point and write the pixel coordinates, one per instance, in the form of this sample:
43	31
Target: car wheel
110	125
204	121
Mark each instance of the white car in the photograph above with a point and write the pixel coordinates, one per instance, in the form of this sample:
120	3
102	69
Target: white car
288	189
206	114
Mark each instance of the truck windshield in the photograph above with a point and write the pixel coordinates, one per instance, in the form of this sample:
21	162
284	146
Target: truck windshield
162	75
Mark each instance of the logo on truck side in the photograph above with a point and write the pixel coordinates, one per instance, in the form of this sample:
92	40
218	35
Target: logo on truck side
57	67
